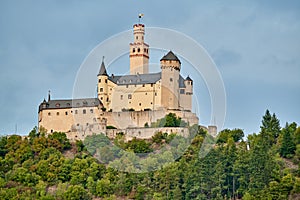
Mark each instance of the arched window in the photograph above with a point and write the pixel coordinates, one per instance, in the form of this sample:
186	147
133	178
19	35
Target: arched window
133	50
139	49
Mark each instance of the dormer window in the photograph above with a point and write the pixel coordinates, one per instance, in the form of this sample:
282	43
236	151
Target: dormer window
57	105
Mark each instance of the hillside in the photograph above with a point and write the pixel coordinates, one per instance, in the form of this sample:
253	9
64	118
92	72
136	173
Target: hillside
266	166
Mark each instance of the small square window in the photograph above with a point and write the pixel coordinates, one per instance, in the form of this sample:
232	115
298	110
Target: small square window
84	111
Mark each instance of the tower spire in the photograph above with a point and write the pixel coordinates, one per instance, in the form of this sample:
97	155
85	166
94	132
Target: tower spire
102	71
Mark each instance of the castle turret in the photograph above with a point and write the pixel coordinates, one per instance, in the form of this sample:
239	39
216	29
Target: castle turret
170	70
103	85
188	94
139	51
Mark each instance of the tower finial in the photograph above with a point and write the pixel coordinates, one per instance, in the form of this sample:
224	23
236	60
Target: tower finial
140	16
103	58
49	95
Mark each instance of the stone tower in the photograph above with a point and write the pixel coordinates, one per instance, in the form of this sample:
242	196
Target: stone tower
103	85
187	103
170	70
139	51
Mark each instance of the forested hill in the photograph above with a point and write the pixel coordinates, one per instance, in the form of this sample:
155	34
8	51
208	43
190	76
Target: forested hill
266	166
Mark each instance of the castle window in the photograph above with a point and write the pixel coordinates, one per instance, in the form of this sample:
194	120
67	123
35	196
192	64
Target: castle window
105	80
142	37
121	97
140	104
126	86
76	112
107	99
91	110
146	93
87	124
84	111
99	80
145	50
49	114
66	113
57	113
151	103
129	96
51	130
101	89
181	91
57	105
101	98
133	50
143	85
151	84
155	94
139	49
137	37
171	80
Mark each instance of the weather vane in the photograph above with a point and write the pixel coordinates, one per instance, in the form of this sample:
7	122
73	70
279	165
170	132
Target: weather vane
140	16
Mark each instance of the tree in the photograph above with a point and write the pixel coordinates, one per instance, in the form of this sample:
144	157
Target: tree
270	128
235	134
77	192
288	146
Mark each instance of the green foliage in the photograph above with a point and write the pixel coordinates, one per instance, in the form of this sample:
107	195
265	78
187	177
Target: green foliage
226	134
288	146
139	146
270	128
77	192
39	167
170	120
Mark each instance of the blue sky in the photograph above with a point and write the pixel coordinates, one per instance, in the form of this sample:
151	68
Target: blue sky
255	45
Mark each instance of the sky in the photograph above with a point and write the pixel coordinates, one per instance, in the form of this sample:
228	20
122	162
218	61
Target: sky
254	44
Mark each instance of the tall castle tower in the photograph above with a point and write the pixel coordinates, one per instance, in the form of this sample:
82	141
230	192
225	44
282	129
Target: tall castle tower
170	70
103	85
139	51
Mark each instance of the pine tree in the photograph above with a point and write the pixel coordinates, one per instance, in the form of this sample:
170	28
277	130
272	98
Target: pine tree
288	146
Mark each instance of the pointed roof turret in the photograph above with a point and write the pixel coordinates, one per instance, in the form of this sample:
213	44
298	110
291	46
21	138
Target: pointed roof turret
102	71
188	78
170	56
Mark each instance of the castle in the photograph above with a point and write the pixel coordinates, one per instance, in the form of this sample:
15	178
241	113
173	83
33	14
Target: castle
127	102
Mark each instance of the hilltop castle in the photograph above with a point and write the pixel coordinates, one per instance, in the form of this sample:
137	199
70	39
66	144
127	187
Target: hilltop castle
127	102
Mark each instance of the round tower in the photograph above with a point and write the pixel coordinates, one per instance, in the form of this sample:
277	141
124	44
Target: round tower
170	70
103	85
187	103
139	51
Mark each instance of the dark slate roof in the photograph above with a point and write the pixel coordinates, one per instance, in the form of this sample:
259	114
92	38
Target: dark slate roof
141	79
70	103
170	56
136	79
181	82
188	78
102	70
